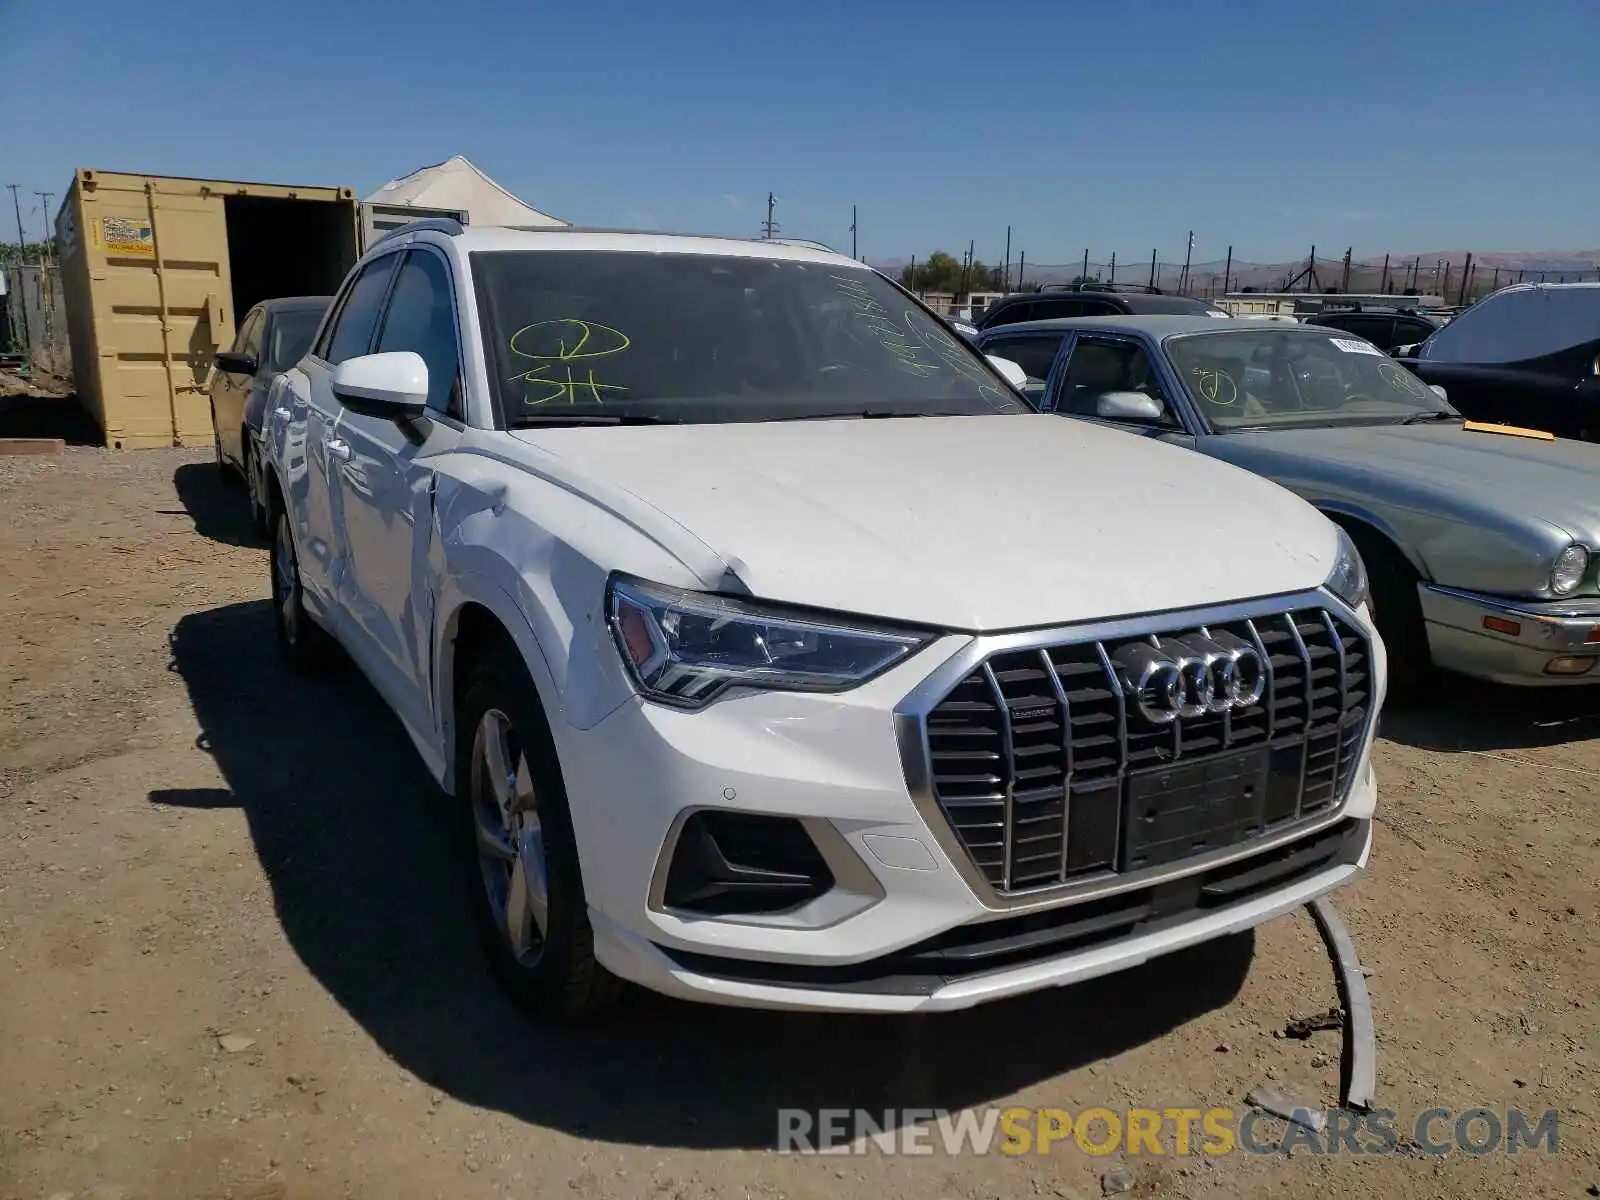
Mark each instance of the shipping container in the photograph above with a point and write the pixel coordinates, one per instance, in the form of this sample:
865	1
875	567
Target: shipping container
157	269
379	220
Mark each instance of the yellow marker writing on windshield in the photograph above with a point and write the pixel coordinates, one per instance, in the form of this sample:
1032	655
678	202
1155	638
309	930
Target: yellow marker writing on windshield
564	349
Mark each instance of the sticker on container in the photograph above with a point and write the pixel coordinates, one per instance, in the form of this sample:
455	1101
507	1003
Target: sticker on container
128	237
1356	346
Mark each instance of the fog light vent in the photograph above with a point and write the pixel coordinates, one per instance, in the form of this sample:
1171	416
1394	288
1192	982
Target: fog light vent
728	863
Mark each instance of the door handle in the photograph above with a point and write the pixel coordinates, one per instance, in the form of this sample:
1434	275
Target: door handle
337	449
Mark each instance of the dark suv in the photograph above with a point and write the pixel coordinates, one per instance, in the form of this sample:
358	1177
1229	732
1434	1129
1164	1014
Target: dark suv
1386	328
1088	300
1526	355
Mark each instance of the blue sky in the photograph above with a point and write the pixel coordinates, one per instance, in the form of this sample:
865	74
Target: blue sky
1116	126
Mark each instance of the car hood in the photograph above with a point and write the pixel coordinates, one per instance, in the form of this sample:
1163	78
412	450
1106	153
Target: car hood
1465	471
981	523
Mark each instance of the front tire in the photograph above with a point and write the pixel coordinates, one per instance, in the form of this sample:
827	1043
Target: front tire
305	646
260	516
216	443
530	902
1397	612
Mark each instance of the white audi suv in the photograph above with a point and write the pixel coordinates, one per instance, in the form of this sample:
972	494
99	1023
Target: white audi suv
778	653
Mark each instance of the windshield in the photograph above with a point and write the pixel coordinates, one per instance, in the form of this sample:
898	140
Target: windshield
1275	377
576	334
291	337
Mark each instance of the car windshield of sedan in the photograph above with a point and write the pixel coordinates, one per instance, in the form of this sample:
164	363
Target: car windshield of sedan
580	336
1275	378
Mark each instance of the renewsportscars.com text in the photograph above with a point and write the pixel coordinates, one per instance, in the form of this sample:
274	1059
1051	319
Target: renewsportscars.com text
1165	1131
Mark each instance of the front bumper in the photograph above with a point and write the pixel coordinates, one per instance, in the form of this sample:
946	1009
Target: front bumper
1526	643
904	927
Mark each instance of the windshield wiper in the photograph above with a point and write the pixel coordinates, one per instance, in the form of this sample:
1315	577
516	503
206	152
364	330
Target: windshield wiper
1422	418
865	414
553	419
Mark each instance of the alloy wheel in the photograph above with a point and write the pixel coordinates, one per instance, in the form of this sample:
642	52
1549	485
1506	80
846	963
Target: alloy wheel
510	838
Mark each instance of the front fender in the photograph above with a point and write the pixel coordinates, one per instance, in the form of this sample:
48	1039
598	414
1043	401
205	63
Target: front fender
549	596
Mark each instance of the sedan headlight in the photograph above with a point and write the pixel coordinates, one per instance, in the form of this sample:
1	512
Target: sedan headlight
1572	564
683	648
1348	580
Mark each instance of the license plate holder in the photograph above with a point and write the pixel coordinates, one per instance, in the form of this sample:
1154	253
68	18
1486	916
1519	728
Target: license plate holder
1188	808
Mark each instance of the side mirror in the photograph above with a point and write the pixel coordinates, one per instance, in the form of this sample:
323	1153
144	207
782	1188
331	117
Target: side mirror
1129	406
392	385
1013	372
1438	390
236	364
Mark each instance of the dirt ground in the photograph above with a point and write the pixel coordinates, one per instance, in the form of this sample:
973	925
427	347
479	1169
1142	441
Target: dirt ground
195	846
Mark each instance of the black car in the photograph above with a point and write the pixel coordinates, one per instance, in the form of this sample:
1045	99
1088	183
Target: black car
273	336
1387	329
1526	355
1088	300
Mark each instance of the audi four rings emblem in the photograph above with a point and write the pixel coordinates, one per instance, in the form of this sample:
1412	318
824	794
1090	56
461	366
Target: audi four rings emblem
1193	676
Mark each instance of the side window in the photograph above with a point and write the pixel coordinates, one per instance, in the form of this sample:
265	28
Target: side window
1035	354
1407	333
421	318
251	341
1012	314
1099	366
241	339
1375	329
351	333
1051	310
1099	308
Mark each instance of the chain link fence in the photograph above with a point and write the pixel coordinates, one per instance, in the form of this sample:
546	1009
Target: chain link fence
34	331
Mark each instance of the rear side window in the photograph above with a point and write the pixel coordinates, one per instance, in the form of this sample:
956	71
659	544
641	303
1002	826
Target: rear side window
1519	325
1051	310
351	332
1009	314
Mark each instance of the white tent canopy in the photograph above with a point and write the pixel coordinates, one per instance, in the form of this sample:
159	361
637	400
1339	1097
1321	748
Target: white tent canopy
456	183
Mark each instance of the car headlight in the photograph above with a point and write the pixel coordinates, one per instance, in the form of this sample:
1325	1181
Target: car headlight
1572	564
683	648
1348	580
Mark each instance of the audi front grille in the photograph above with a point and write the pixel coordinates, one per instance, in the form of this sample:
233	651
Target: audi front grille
1050	769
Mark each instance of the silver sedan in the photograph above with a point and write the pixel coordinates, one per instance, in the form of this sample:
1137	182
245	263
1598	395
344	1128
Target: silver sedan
1480	540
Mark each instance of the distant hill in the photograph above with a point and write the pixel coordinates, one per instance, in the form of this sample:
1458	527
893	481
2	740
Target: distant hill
1490	268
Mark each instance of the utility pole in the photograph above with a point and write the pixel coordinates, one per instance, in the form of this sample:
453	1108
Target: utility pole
1383	281
1022	263
1113	280
1466	278
853	253
22	238
972	264
1227	271
45	251
1005	284
1183	280
1085	273
1152	270
769	227
1344	280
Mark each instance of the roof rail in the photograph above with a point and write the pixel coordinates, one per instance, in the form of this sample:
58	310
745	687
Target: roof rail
446	225
1095	285
806	243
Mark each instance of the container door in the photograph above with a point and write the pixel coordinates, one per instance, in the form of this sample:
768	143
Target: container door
158	267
